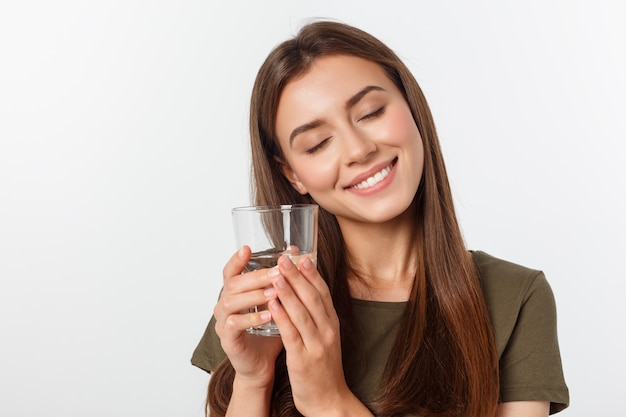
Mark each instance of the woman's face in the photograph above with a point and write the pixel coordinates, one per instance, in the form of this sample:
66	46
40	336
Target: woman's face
349	140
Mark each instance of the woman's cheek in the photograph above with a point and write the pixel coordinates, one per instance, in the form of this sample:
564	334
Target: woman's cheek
400	127
318	176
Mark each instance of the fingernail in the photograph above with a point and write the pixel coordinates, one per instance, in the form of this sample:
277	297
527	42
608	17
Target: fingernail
307	264
273	272
281	283
286	263
270	292
272	305
265	316
241	252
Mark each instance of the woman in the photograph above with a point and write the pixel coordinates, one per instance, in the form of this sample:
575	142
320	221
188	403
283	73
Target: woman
399	318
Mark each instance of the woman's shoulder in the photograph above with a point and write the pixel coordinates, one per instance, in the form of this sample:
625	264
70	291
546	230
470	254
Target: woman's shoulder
512	292
504	279
491	267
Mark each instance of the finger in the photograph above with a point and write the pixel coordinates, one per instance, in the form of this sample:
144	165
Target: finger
288	332
237	263
310	272
305	290
235	324
303	306
238	303
247	282
235	281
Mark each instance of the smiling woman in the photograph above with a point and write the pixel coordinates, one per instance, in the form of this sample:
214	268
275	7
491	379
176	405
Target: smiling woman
362	133
399	318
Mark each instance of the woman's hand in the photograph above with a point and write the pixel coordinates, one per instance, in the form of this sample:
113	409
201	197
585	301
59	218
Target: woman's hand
309	328
252	357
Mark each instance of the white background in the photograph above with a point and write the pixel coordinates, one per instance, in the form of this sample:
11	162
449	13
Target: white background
123	146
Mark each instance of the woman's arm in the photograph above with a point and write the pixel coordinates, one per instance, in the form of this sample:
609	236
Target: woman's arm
249	399
524	409
252	357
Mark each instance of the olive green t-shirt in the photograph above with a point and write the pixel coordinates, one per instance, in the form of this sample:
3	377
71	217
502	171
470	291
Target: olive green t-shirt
523	313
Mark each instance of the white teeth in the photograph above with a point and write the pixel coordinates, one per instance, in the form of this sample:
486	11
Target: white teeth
374	179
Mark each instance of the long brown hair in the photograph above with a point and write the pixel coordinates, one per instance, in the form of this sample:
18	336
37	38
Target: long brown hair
444	361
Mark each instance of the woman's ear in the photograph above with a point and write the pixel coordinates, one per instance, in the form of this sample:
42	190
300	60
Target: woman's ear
292	177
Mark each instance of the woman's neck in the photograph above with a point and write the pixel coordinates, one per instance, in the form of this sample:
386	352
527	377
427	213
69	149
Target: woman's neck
382	258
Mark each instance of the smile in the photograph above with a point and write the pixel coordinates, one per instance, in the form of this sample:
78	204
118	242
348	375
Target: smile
375	179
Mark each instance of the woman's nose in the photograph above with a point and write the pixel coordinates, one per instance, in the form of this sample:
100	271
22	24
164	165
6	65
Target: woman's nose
357	147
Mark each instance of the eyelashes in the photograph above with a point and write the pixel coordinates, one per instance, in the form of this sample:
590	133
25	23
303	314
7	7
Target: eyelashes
379	112
374	114
318	147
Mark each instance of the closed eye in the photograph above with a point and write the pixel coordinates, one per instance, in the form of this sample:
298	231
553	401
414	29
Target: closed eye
374	114
318	147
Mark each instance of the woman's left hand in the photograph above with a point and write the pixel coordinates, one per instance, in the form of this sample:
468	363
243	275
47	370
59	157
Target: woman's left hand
309	328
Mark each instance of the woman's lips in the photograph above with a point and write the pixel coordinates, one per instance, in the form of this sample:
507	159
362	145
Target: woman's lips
369	180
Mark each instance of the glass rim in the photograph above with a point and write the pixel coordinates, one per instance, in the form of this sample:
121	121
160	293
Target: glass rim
276	207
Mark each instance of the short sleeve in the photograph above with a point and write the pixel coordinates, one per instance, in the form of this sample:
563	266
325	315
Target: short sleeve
523	314
209	353
530	365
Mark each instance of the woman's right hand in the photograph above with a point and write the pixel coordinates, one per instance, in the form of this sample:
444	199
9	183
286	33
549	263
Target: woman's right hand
252	357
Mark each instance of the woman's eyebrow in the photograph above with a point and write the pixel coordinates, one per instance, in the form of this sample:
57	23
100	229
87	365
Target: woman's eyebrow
303	128
351	102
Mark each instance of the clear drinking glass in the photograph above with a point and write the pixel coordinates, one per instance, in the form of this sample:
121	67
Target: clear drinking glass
273	231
